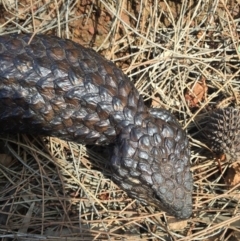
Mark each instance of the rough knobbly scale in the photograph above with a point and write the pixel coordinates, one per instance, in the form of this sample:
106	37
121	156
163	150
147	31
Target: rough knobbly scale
56	87
223	131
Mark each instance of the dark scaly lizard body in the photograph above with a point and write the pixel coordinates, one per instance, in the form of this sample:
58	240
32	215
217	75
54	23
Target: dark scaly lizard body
56	87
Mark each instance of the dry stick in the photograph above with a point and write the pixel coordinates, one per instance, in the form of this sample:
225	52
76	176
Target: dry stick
218	226
36	30
112	30
56	163
33	20
211	97
230	28
58	18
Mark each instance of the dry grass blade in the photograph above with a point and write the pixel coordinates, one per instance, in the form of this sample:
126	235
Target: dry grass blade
181	55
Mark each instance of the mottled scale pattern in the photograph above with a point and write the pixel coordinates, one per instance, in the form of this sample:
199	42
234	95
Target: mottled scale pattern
223	131
55	87
161	175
